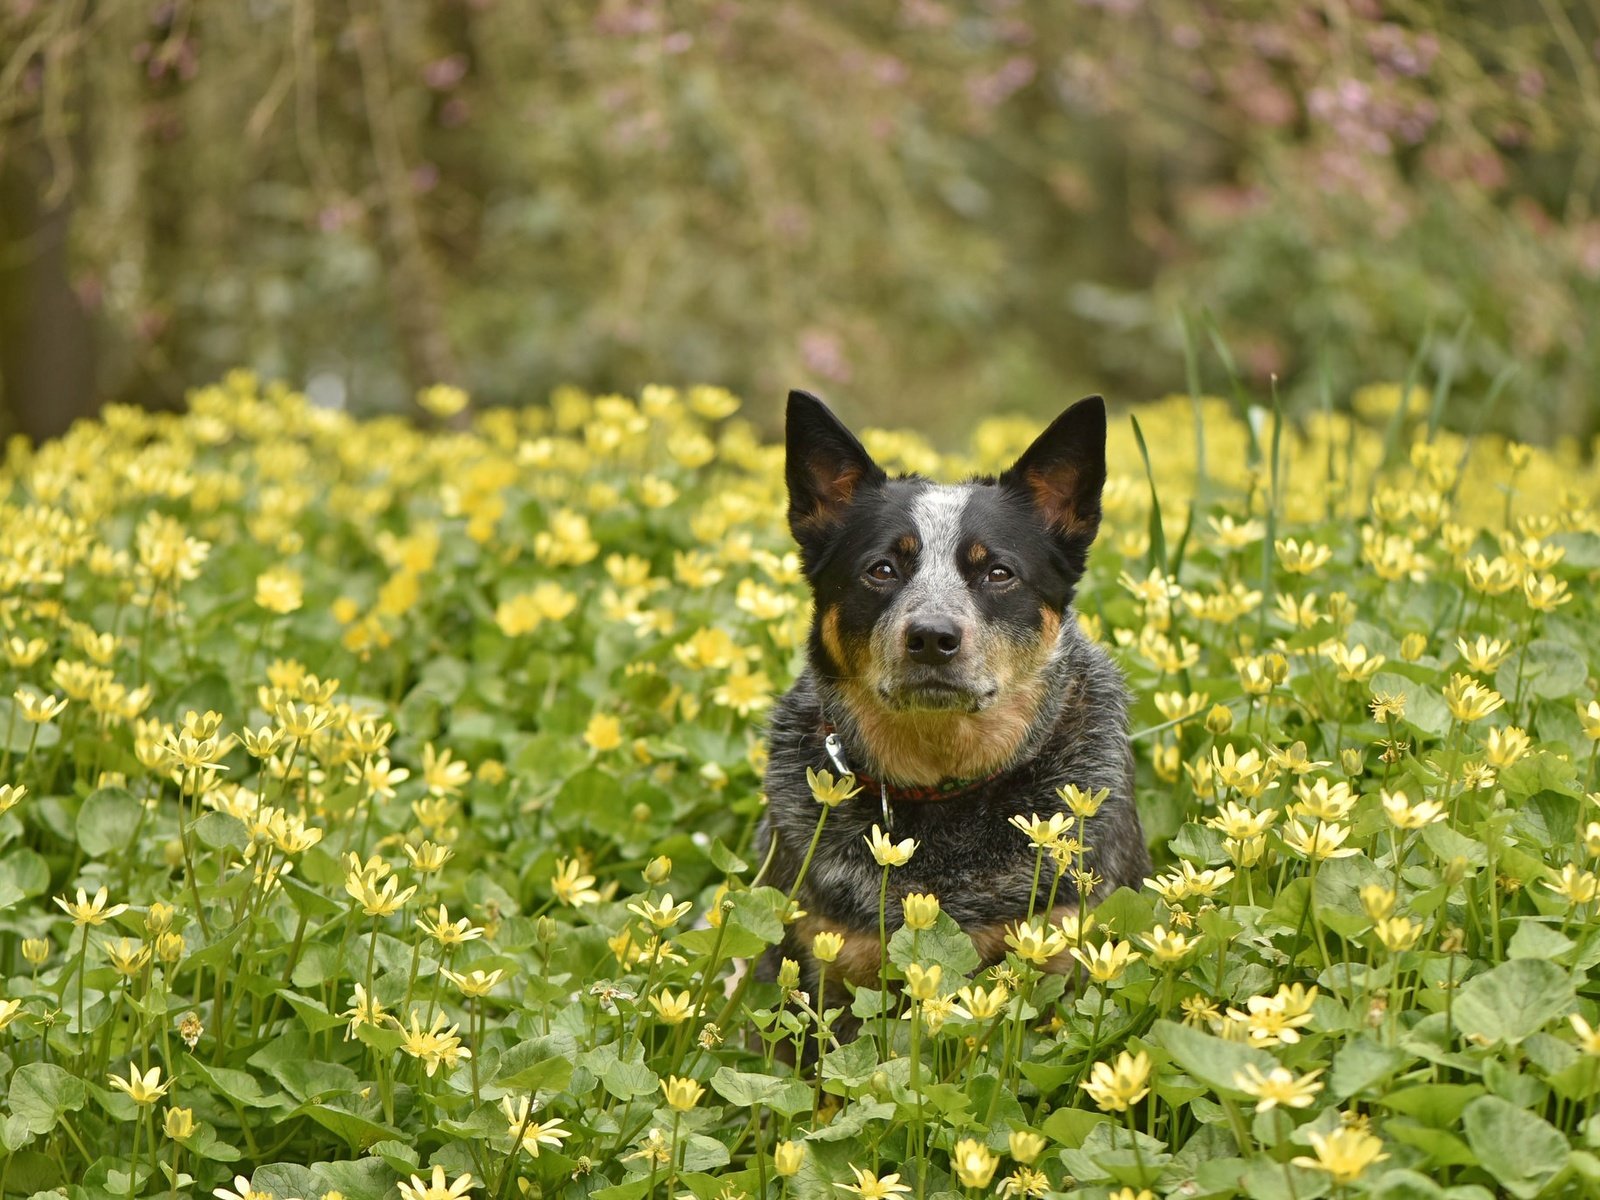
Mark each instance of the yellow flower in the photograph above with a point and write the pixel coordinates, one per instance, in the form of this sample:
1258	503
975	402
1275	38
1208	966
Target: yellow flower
1483	655
572	885
128	957
1235	821
178	1123
1588	1037
145	1089
787	1158
673	1009
1344	1154
1035	942
826	945
90	912
921	910
280	590
442	400
1578	886
743	691
973	1163
1169	948
35	950
981	1004
662	914
1503	747
871	1187
1469	701
435	1046
830	792
363	1010
1354	664
1545	593
241	1191
1589	718
475	983
1278	1086
1302	558
530	1133
923	982
37	709
1084	804
377	901
1106	962
437	1188
1398	933
1492	577
1405	815
11	795
890	854
1377	901
604	732
1321	842
681	1093
1042	833
1117	1086
1025	1145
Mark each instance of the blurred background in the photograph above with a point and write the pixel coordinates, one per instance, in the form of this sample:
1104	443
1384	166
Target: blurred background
923	209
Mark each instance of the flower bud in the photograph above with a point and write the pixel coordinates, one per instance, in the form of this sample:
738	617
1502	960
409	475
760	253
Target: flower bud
1219	720
1413	646
159	918
921	910
787	1158
826	945
658	870
178	1123
1352	761
789	975
35	950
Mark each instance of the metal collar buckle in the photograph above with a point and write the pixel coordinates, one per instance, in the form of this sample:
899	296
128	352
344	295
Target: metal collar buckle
835	749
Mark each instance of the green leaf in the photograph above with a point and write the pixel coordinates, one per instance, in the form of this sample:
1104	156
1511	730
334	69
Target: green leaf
107	820
41	1093
1437	1104
1360	1063
357	1131
1520	1150
1426	711
744	1089
220	830
946	944
1515	999
1550	669
1210	1059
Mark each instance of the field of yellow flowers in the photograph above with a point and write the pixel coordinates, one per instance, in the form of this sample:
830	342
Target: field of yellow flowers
377	803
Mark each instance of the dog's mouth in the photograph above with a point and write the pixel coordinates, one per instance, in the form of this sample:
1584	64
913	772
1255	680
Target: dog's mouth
937	695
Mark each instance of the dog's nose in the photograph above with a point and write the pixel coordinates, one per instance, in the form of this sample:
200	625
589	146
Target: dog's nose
933	642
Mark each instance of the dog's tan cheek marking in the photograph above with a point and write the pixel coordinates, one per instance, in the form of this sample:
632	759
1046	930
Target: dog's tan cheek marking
858	960
831	641
990	941
908	545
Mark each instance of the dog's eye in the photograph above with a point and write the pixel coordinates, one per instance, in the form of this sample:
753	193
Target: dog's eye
998	575
881	571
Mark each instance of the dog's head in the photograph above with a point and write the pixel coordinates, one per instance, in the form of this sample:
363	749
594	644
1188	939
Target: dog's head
934	598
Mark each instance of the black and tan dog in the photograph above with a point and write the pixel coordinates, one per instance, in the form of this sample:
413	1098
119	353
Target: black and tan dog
947	663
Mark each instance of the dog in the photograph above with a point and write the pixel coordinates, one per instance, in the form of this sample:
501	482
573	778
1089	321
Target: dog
947	672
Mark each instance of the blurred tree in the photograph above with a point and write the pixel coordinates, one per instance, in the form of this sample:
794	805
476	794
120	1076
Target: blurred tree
934	206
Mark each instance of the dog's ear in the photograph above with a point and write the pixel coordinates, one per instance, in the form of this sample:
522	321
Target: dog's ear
1063	473
825	467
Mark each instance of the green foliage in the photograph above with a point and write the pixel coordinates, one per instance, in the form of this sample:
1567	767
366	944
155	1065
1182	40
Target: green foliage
379	813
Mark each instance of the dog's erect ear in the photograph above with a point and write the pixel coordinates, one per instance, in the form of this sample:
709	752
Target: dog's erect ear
826	466
1064	471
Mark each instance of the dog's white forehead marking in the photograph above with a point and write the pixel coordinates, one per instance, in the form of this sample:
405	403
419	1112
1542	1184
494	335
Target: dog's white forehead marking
938	583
